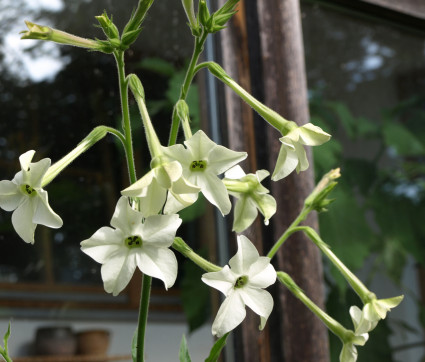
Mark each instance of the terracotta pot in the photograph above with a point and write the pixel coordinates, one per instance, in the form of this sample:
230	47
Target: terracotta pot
57	340
93	342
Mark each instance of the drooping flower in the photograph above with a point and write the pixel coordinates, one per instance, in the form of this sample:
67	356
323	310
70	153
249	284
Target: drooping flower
152	188
134	241
358	337
372	313
292	155
202	161
242	283
252	196
26	197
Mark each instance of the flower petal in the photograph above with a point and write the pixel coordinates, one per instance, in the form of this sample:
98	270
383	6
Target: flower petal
261	273
236	172
220	159
260	301
25	159
160	230
312	135
22	221
246	255
223	280
230	315
10	195
302	157
125	218
139	187
286	162
37	171
44	215
159	263
118	270
103	243
200	145
245	213
215	191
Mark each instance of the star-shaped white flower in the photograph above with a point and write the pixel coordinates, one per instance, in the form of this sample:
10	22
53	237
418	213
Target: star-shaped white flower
202	161
152	188
25	195
243	285
134	241
292	154
252	196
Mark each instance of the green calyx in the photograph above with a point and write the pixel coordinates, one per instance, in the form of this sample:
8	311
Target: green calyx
199	165
241	282
134	241
28	190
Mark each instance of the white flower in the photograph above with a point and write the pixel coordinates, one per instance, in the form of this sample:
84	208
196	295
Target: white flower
242	284
366	320
251	196
135	241
152	188
292	154
25	195
202	160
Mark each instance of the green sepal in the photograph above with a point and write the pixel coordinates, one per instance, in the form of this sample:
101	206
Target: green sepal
136	85
184	351
130	37
216	349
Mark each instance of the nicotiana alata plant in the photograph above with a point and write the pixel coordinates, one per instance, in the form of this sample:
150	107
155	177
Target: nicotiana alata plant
145	223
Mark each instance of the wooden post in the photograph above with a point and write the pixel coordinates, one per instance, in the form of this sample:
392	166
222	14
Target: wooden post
302	335
293	333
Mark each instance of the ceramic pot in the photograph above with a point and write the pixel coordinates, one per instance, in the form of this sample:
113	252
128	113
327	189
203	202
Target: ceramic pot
94	342
57	340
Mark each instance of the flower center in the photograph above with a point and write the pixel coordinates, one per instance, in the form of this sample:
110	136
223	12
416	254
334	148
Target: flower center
241	281
28	190
133	241
199	165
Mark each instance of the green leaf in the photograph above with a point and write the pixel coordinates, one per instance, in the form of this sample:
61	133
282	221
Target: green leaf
404	142
6	339
216	350
184	352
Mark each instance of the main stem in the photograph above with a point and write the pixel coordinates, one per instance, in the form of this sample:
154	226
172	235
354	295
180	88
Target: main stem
198	48
147	280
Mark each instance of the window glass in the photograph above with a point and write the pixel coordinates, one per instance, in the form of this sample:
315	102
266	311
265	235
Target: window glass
51	97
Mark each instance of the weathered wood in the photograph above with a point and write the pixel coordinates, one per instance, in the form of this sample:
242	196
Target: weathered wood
302	335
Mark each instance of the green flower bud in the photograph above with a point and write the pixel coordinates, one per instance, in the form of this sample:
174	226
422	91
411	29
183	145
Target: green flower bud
317	199
204	14
136	85
108	27
42	32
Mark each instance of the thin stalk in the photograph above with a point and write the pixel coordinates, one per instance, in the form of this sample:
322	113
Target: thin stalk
289	231
191	71
143	316
128	146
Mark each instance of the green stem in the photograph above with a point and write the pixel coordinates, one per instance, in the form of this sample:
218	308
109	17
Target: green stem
365	294
334	326
291	229
143	316
5	356
128	145
185	250
272	117
191	71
